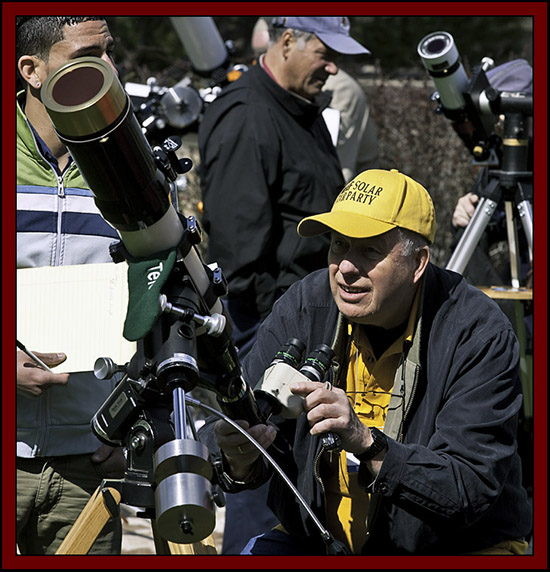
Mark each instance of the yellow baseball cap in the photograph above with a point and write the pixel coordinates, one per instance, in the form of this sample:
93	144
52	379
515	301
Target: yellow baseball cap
373	203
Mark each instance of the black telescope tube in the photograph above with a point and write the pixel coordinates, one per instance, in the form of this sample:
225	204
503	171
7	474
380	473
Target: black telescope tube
93	117
105	158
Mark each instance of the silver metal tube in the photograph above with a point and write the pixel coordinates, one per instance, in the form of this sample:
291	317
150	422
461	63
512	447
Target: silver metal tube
472	234
526	217
180	419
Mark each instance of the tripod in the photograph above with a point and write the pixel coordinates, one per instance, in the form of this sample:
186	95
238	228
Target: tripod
511	182
506	183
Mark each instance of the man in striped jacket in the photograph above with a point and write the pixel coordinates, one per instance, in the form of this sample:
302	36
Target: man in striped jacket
60	462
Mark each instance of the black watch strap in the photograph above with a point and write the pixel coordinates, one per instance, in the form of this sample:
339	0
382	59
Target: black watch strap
379	443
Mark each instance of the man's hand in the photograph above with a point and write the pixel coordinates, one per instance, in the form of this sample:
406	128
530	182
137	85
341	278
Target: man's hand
465	208
238	450
32	380
330	410
112	460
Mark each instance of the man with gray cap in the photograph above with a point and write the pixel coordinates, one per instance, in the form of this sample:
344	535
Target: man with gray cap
267	160
348	116
423	394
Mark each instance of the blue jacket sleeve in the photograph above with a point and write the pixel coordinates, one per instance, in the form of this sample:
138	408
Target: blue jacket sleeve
460	472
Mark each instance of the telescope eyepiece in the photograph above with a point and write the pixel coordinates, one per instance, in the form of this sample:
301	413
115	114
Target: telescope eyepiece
435	45
442	61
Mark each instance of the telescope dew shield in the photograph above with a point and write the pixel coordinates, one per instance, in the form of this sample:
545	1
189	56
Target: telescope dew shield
92	115
202	42
441	59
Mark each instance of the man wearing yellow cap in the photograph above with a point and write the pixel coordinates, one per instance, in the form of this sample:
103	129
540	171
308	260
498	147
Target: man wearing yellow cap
424	395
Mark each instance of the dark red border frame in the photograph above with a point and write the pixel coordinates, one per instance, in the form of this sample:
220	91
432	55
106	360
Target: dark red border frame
12	9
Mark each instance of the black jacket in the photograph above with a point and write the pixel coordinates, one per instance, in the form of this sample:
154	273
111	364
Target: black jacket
451	478
267	161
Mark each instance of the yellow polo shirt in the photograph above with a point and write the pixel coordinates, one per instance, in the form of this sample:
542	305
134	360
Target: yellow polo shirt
369	387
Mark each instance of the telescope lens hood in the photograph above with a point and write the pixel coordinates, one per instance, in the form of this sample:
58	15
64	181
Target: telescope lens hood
84	98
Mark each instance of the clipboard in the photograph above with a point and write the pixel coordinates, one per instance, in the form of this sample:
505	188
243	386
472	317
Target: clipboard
79	310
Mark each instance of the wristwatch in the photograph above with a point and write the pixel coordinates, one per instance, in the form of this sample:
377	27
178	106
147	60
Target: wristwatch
379	443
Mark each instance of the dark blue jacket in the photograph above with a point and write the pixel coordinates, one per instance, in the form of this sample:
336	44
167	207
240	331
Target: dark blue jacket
451	478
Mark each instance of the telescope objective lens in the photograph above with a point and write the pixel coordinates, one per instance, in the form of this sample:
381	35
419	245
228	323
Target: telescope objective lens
93	117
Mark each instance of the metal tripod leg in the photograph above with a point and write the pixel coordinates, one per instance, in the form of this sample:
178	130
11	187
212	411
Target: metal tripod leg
472	234
103	505
512	245
525	212
526	217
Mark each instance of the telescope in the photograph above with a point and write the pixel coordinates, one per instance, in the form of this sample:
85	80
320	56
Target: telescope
472	104
92	116
442	61
132	183
179	108
202	42
186	337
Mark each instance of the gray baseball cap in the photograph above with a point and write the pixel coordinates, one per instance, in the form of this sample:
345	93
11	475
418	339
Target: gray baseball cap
333	31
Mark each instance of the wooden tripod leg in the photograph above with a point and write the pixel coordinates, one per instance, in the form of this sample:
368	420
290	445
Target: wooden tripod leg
162	546
103	505
205	546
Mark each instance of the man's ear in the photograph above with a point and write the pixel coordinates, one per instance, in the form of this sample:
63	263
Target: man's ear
287	41
30	69
422	258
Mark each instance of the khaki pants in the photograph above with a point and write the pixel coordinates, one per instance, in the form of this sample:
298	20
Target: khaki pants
51	494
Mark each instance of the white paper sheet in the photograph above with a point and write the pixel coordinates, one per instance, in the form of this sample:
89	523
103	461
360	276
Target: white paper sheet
78	310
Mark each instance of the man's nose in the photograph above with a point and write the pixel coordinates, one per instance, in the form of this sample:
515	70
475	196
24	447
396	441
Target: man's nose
347	266
106	58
